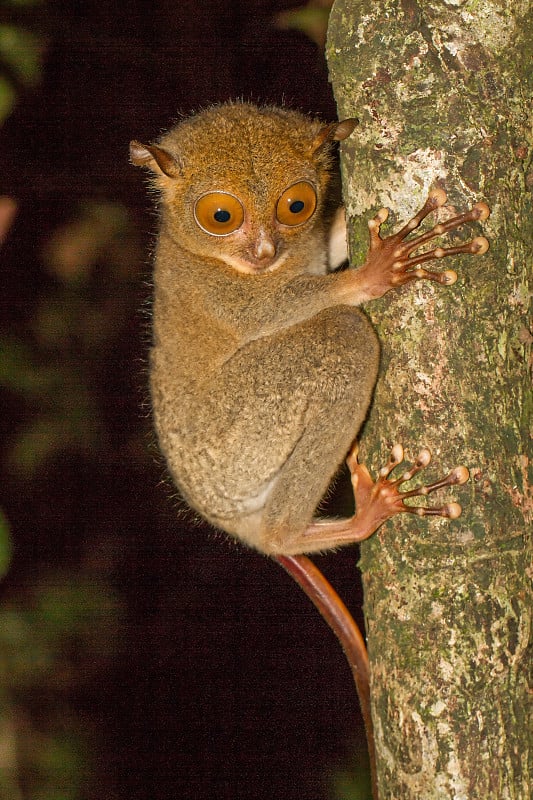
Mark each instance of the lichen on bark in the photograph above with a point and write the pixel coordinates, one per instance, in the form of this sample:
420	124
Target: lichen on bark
443	94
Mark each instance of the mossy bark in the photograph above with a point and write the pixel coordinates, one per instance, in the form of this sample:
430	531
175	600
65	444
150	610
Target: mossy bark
443	94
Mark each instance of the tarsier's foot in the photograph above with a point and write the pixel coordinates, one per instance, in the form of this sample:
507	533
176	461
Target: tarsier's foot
377	501
391	261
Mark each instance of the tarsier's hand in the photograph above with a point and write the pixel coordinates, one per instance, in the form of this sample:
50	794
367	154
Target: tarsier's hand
391	261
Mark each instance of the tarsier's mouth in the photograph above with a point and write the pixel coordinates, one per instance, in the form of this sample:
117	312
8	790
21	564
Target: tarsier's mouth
252	266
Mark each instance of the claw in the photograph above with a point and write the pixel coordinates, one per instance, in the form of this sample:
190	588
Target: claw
395	458
449	277
438	196
481	211
459	476
479	245
376	223
452	511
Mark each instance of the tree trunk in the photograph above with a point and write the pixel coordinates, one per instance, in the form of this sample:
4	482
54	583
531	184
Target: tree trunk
443	94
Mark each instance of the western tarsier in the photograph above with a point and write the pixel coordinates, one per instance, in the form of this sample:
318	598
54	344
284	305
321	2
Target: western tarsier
262	367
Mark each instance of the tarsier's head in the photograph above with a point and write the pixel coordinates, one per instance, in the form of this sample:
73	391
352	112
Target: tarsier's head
242	184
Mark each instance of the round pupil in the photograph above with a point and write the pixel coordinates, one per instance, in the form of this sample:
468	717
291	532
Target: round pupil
221	215
296	206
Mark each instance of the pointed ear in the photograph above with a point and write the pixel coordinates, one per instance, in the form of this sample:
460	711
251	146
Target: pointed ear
335	132
155	158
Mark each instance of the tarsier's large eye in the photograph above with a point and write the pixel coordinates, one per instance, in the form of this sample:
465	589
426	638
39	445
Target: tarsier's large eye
219	213
297	204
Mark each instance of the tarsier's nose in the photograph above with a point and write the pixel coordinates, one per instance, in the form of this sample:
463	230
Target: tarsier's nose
264	248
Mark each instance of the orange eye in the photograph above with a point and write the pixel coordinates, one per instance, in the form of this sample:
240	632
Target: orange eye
297	204
219	213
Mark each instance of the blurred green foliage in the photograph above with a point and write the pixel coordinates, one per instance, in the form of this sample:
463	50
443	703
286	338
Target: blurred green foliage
354	783
21	51
310	19
20	64
56	640
93	260
59	632
60	628
5	545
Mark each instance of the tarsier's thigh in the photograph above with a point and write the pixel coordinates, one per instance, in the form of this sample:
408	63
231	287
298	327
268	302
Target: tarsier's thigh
275	389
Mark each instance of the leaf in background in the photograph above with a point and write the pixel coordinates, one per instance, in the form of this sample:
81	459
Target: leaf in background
8	206
21	56
59	637
311	19
5	545
99	231
7	97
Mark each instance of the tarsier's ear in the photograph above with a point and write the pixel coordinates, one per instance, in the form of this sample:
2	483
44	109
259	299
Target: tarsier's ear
154	157
335	132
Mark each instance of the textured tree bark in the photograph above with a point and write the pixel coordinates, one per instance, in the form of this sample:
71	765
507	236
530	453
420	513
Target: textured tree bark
443	94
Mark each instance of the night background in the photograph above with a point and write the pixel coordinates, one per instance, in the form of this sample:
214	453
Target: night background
142	654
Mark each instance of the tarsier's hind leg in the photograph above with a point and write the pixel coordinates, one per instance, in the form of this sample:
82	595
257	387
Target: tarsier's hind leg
313	404
378	501
301	486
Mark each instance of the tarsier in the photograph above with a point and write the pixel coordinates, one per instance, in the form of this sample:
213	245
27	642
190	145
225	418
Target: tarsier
262	366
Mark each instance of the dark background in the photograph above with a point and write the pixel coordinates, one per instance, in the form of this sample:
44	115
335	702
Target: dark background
204	673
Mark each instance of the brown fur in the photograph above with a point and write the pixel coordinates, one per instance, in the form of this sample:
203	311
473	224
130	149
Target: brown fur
261	380
262	370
